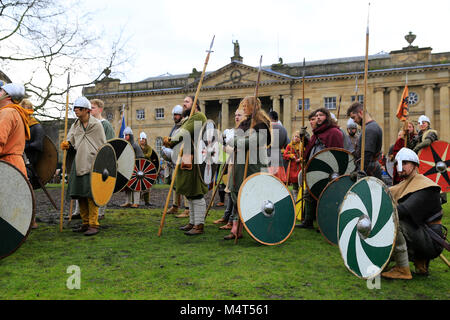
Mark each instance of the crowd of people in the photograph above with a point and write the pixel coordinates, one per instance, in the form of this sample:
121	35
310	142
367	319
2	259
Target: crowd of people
419	200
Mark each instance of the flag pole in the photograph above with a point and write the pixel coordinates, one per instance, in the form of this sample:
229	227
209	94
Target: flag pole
366	67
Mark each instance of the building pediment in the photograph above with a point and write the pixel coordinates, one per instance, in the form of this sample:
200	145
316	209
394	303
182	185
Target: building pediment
237	74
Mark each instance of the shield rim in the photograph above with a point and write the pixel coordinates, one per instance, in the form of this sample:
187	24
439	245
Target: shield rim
33	214
158	165
317	208
215	166
242	220
395	219
106	145
310	160
148	189
124	186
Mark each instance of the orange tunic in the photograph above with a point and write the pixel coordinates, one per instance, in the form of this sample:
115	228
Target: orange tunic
12	138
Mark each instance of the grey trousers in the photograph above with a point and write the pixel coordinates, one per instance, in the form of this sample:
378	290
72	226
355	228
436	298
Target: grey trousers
197	211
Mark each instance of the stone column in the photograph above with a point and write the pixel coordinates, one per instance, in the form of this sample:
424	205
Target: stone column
287	114
379	110
203	106
117	119
225	116
394	123
429	103
444	101
276	104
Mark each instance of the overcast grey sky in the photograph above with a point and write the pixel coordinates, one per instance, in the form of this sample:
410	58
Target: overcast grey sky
171	36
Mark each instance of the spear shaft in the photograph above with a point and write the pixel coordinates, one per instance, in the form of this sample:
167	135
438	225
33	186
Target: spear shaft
63	181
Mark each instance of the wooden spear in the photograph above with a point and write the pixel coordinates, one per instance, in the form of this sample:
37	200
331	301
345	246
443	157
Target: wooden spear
302	145
366	67
64	156
181	149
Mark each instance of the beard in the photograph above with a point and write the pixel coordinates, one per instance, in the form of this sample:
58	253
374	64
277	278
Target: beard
186	113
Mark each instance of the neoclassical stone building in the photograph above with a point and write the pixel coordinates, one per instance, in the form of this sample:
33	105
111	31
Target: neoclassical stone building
333	84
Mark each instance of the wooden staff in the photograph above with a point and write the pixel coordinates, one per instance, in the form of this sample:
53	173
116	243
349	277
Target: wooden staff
366	67
302	143
64	157
258	79
181	149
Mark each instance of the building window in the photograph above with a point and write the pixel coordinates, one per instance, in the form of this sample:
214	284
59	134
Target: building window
158	145
140	114
360	98
300	104
413	98
330	102
159	113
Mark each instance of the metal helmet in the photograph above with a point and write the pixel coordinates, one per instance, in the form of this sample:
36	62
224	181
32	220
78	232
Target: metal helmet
405	154
15	91
142	135
423	118
127	130
177	110
351	124
82	102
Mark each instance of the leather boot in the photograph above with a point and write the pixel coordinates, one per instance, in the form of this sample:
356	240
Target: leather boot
187	227
421	267
91	231
82	228
228	226
197	229
184	214
172	210
398	273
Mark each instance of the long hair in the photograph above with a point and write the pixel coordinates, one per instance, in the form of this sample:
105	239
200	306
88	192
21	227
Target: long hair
253	106
329	120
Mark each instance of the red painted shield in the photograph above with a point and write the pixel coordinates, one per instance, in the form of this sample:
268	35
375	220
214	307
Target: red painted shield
144	175
435	163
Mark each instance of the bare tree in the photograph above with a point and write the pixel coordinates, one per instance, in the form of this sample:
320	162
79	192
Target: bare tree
41	41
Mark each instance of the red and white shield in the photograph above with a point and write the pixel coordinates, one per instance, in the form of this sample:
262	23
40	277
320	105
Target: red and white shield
435	163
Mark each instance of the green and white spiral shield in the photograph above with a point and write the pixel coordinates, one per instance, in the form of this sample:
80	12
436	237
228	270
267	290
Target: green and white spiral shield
326	165
367	227
266	208
17	208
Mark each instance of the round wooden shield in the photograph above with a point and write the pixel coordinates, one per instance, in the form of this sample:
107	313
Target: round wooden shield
326	165
207	152
435	163
266	208
17	208
104	175
125	162
47	162
328	206
144	175
155	159
367	227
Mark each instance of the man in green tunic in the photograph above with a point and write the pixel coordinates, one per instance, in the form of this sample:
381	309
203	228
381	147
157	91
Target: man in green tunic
188	181
85	137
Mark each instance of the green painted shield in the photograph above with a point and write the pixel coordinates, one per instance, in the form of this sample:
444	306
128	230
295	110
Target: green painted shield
266	208
326	165
328	206
367	227
17	208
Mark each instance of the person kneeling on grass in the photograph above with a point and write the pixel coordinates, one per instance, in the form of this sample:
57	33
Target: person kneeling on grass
420	235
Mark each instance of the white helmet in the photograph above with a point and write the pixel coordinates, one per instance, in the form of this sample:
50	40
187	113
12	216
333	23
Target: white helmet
423	118
82	102
351	123
405	154
127	130
15	91
177	110
142	135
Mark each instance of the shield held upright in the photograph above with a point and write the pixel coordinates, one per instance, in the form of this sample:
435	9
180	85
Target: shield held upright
104	175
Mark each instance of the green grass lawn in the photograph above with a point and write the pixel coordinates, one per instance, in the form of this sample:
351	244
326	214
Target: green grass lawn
127	260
